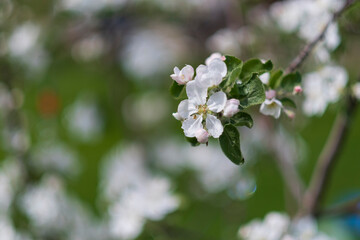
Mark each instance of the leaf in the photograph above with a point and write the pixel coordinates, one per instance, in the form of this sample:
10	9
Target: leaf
193	141
287	102
176	89
255	92
242	119
290	81
275	78
234	67
230	144
254	66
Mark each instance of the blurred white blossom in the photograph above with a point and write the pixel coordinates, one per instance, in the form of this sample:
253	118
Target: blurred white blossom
89	48
356	90
278	226
83	120
24	45
323	87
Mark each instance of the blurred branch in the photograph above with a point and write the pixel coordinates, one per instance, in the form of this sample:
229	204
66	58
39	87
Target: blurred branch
349	207
328	157
300	58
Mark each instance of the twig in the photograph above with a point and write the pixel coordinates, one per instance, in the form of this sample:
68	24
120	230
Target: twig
349	207
328	158
298	61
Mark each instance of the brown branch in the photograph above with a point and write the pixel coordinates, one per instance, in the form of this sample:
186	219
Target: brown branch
328	157
300	58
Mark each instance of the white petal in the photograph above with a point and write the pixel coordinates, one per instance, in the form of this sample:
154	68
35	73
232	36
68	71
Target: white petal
186	108
219	66
202	136
214	126
191	126
217	102
177	116
210	79
212	57
200	70
196	93
188	72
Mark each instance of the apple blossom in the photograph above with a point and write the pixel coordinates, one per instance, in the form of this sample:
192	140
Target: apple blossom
231	107
356	90
271	107
184	75
212	74
196	109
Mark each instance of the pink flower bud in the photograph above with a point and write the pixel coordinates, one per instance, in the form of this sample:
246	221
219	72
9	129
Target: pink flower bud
297	90
289	113
270	94
231	107
202	136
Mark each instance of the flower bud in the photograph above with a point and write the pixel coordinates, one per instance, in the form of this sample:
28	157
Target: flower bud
231	107
202	136
297	90
270	94
289	113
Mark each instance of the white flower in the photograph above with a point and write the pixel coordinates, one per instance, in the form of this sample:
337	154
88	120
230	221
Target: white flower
356	90
323	87
184	75
271	107
196	109
231	107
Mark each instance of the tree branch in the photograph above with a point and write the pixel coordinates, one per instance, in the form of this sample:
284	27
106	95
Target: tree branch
300	58
328	157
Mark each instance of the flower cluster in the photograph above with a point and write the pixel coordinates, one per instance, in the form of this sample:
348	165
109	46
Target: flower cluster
323	87
206	104
277	226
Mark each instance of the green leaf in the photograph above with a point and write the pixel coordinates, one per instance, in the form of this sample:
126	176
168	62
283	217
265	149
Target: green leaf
234	67
176	89
255	92
193	141
287	102
254	66
242	119
290	81
230	144
275	78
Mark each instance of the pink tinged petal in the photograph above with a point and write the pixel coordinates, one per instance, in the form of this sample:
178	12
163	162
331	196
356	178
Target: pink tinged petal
192	125
196	93
177	116
217	102
219	66
231	107
188	72
214	126
210	79
176	71
212	57
186	108
202	136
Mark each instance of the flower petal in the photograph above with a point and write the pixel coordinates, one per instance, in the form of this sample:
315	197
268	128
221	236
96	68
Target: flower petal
191	126
200	70
271	107
188	72
214	126
219	66
210	79
217	102
196	93
186	108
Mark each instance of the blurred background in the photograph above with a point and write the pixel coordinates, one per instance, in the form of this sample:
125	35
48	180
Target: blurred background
89	148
